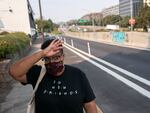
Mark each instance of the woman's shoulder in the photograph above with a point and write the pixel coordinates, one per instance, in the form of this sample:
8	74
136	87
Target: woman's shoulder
74	70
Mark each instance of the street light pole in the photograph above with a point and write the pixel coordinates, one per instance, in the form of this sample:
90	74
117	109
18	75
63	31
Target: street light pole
41	18
93	23
92	17
131	9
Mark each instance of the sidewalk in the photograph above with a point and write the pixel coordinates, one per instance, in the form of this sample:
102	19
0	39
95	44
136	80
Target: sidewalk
14	96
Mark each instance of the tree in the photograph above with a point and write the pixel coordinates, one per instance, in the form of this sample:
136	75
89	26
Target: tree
111	19
144	17
38	22
47	25
138	23
51	24
125	21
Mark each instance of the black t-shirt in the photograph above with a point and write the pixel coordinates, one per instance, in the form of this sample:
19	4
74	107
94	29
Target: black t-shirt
63	94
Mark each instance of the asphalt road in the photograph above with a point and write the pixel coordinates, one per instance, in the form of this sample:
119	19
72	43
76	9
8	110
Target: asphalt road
114	95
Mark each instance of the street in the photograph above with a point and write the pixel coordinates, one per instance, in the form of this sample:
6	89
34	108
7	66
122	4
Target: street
120	78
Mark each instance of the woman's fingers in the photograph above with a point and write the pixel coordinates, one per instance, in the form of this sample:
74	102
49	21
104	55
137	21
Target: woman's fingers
58	48
58	43
54	47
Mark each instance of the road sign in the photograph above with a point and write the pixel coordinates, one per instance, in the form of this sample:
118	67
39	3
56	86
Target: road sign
132	21
82	21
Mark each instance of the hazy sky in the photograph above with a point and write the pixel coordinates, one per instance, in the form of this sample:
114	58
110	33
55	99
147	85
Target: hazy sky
64	10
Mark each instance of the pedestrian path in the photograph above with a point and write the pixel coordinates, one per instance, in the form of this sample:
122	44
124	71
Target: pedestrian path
13	95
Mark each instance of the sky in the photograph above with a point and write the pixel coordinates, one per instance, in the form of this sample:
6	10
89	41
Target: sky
65	10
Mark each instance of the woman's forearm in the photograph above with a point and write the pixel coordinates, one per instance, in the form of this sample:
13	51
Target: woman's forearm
90	107
22	66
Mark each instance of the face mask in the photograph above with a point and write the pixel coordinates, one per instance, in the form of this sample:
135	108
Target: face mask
54	67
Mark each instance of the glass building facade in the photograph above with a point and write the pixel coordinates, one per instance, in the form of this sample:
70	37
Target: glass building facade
125	7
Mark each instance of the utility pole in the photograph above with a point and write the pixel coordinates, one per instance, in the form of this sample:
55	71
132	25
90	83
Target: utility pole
41	18
92	19
93	23
131	9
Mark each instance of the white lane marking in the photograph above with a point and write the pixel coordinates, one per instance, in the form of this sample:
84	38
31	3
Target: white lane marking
112	73
132	75
73	56
78	61
89	49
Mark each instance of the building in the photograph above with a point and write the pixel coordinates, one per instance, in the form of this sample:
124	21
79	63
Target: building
126	5
95	16
17	15
113	10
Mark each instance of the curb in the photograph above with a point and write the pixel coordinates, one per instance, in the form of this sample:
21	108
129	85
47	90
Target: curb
4	65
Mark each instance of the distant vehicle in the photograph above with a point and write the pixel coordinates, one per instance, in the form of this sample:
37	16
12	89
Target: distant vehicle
112	27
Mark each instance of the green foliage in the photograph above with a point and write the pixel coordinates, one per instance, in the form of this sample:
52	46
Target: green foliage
138	23
113	19
12	43
125	21
4	33
55	31
144	17
46	24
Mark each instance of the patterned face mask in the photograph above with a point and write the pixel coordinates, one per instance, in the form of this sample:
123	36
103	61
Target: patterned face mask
57	58
55	67
54	64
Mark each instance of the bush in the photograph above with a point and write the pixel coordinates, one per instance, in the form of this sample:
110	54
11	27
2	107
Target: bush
56	33
12	43
4	33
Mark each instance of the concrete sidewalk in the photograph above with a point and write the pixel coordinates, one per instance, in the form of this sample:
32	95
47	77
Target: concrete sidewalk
14	96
